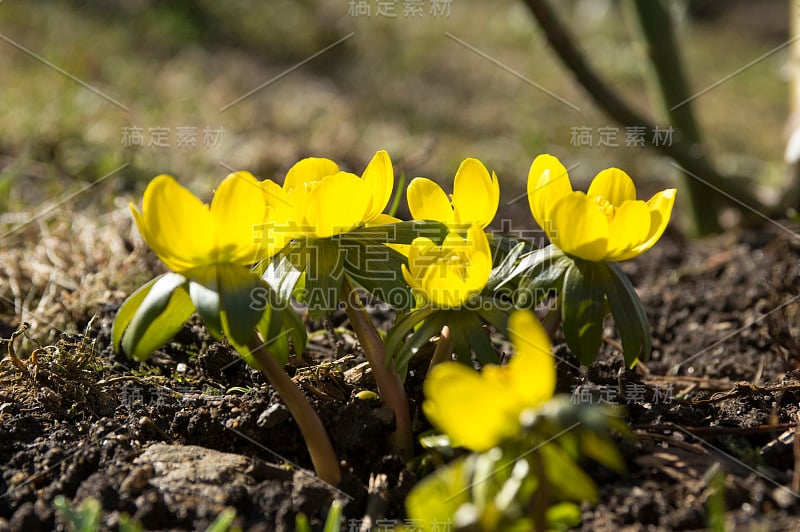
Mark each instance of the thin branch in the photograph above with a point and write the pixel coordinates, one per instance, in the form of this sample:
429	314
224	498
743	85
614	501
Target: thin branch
614	106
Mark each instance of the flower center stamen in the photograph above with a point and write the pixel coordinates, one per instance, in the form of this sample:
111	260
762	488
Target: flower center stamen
605	206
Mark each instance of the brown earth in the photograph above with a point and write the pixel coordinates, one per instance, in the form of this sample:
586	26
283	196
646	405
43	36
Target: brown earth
175	441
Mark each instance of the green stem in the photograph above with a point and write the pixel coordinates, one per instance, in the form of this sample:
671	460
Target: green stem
318	443
667	80
389	384
444	348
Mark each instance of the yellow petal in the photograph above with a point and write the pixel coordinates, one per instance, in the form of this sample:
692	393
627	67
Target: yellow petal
309	171
282	218
579	227
238	212
614	185
548	182
379	175
418	256
628	229
337	204
427	201
476	195
660	206
177	225
532	368
480	260
472	410
457	270
410	279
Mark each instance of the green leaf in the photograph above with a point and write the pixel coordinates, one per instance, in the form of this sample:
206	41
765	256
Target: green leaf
503	244
544	270
564	515
566	479
241	308
160	315
86	518
285	270
378	269
324	271
505	255
333	522
223	521
437	497
428	329
476	336
583	308
128	310
629	316
490	473
301	523
494	316
533	263
204	291
398	332
461	345
399	233
279	324
602	450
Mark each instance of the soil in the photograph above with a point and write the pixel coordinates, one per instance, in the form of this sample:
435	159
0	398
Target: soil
174	441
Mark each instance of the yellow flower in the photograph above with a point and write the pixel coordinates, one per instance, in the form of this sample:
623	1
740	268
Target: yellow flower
185	233
448	275
479	410
475	197
607	223
318	200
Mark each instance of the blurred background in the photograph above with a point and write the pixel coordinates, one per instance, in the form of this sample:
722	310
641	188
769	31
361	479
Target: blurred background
99	96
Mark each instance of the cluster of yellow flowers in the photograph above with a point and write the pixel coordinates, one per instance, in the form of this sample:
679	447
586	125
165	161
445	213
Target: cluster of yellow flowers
250	220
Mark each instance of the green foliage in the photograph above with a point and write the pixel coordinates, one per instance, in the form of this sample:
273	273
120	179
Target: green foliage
312	269
224	521
151	316
86	518
715	504
332	523
585	292
525	482
228	298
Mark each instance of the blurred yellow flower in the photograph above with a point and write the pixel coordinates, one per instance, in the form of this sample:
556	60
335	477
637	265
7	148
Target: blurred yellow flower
475	197
317	200
479	410
448	275
607	223
185	233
